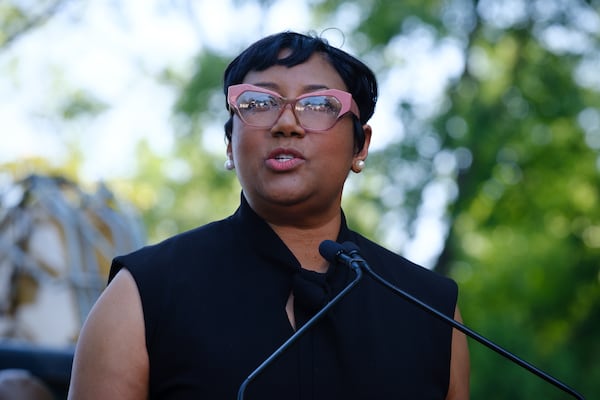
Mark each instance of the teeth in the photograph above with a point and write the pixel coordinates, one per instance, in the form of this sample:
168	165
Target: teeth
284	157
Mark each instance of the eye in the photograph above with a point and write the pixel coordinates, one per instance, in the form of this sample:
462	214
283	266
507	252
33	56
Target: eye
320	104
256	102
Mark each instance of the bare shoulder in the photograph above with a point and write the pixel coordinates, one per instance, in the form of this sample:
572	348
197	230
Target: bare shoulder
111	360
459	364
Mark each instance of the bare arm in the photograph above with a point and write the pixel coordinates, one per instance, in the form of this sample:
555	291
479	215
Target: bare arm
459	364
111	361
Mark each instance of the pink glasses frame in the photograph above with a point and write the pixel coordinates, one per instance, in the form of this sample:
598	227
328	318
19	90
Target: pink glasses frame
345	98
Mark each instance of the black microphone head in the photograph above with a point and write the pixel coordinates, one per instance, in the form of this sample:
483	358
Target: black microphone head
330	250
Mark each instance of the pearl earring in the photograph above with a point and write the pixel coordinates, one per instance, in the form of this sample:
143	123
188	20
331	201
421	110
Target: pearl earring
359	165
229	165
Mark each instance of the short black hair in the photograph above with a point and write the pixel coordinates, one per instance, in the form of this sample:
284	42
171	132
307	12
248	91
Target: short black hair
263	54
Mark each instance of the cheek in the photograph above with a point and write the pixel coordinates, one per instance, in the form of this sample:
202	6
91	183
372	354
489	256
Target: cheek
237	139
244	146
343	145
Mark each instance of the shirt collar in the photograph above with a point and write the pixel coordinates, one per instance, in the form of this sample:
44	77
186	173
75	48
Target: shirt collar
263	240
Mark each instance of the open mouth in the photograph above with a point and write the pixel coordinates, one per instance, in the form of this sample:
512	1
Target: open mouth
284	160
284	157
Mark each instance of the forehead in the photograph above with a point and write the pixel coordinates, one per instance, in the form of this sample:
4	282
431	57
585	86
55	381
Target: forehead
316	72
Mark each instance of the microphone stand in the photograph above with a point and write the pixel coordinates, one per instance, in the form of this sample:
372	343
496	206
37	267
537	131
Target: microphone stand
464	329
292	339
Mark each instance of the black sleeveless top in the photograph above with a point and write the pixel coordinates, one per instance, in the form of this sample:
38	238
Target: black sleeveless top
214	309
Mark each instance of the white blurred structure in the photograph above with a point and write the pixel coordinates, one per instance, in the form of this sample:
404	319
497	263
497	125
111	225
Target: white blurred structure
56	244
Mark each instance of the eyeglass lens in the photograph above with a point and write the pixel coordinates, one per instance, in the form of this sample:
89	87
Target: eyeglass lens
312	112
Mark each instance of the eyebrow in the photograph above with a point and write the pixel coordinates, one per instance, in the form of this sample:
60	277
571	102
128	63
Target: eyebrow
307	88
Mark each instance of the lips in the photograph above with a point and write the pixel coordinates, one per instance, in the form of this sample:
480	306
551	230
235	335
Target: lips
282	159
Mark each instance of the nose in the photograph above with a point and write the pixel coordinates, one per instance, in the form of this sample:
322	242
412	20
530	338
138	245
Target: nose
287	123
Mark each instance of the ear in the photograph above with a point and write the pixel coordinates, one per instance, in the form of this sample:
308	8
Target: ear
358	161
364	152
229	151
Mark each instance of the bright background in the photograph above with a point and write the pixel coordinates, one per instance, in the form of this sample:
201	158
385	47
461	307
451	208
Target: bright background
116	52
484	166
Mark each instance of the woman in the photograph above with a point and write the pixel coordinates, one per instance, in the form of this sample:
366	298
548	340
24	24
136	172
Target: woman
191	317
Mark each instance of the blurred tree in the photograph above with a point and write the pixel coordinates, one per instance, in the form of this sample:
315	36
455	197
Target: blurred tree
511	147
19	17
508	150
193	186
518	134
524	241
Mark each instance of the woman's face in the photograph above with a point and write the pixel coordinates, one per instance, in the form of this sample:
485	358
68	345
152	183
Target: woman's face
286	168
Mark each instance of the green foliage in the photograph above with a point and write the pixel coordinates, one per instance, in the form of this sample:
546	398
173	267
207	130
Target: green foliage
81	104
524	234
16	19
524	238
180	191
524	242
521	127
194	188
382	20
201	87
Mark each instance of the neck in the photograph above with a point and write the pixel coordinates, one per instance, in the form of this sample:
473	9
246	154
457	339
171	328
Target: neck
303	241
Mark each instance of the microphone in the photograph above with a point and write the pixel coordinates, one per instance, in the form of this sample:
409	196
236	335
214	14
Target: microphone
353	252
332	252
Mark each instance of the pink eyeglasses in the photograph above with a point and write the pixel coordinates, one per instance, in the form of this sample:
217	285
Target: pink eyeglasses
315	111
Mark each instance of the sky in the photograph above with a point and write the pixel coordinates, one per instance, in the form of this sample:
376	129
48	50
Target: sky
116	54
116	49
